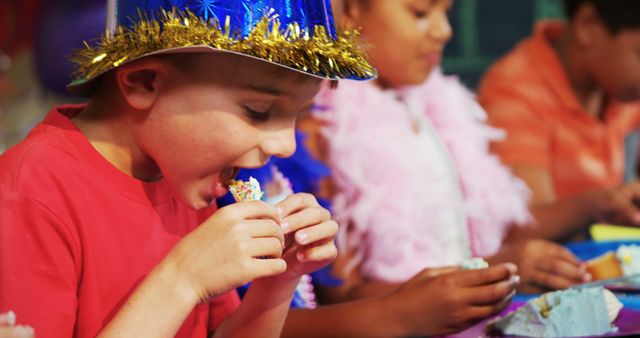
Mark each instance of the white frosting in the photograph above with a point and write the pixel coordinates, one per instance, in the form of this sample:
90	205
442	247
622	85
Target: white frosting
629	258
613	305
474	263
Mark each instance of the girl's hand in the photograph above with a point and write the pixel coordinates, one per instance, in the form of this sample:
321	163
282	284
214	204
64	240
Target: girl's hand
309	232
8	328
442	303
543	265
237	244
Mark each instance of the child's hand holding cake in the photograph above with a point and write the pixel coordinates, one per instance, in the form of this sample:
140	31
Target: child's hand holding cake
452	299
310	231
247	234
308	227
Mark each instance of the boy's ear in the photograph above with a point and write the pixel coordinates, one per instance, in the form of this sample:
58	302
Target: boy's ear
588	27
349	13
139	82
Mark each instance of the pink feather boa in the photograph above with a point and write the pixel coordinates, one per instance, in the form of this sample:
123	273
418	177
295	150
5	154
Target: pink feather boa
388	193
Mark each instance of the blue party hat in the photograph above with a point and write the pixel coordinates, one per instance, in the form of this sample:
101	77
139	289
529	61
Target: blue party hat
297	34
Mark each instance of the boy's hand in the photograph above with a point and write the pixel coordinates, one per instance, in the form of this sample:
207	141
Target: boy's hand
309	232
543	265
237	244
451	302
9	329
620	205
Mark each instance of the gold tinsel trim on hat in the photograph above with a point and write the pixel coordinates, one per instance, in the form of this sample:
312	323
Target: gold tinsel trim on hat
318	54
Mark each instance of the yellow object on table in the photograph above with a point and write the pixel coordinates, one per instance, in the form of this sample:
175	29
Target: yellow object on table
611	232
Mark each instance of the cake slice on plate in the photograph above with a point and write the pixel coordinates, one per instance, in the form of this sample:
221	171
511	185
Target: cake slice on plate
565	313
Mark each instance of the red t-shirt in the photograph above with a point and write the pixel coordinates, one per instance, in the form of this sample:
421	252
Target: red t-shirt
77	235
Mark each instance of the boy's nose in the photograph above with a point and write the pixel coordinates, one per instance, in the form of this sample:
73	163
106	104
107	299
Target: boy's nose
442	30
280	144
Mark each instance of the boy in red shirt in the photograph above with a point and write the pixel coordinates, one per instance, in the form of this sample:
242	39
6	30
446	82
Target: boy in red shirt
108	224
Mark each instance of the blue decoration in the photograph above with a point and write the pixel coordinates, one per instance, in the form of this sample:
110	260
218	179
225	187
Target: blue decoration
242	15
207	9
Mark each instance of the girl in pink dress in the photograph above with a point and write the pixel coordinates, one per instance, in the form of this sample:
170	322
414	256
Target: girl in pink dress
413	183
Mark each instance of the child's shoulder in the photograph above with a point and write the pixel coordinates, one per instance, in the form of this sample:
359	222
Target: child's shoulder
525	69
44	154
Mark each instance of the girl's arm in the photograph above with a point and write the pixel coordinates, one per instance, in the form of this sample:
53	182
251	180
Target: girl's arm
356	287
555	220
364	318
353	286
434	302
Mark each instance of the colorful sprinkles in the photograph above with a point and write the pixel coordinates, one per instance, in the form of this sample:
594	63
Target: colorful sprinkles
246	191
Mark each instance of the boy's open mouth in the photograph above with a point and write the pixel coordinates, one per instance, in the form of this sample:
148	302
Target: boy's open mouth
227	174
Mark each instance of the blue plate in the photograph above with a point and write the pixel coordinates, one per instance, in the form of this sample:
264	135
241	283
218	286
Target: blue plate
588	249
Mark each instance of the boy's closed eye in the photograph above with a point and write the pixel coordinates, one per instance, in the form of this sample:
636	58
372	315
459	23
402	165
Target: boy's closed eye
258	113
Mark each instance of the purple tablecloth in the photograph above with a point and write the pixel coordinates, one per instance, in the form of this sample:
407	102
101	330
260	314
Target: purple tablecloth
628	323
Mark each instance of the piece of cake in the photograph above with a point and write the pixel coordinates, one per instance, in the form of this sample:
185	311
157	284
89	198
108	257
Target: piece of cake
246	190
566	313
604	267
623	262
474	263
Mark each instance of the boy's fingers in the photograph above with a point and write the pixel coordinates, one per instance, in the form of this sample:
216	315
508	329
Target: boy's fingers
250	210
305	218
19	331
493	293
322	231
489	275
7	319
268	267
324	252
266	247
626	207
265	228
296	202
293	246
